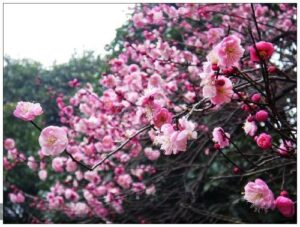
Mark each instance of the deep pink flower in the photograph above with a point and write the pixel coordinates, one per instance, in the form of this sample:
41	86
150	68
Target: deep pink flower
162	116
261	115
285	206
229	51
265	51
255	97
259	194
220	137
264	141
28	111
53	140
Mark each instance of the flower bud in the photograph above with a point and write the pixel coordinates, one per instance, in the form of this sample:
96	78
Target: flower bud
285	206
261	115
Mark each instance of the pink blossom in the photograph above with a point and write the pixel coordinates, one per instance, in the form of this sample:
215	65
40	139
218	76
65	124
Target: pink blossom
219	91
92	176
264	141
71	195
255	97
261	115
28	111
138	187
151	154
259	194
285	206
162	116
229	51
58	164
214	34
71	166
250	128
124	181
43	174
151	190
265	51
220	137
171	141
31	163
17	197
189	127
9	144
285	147
53	140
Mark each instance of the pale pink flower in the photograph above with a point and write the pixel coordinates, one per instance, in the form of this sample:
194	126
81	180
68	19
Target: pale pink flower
43	174
171	141
9	144
138	187
151	190
285	206
259	194
58	164
28	111
71	166
31	163
214	34
17	197
220	137
53	140
264	49
189	127
250	128
124	181
162	116
285	147
151	154
229	51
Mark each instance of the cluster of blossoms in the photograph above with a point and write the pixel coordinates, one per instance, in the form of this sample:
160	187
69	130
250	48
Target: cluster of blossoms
157	85
259	194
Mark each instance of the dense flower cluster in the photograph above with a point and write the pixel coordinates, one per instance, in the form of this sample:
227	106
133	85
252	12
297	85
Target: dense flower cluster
157	94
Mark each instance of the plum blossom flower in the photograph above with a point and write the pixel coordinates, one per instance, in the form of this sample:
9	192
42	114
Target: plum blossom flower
219	91
16	197
162	116
9	144
220	137
43	174
264	49
214	34
285	206
171	141
285	147
264	141
259	194
28	111
124	181
53	140
151	154
250	127
188	126
229	51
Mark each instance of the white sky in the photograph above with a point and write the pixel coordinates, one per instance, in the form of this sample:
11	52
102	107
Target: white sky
51	32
